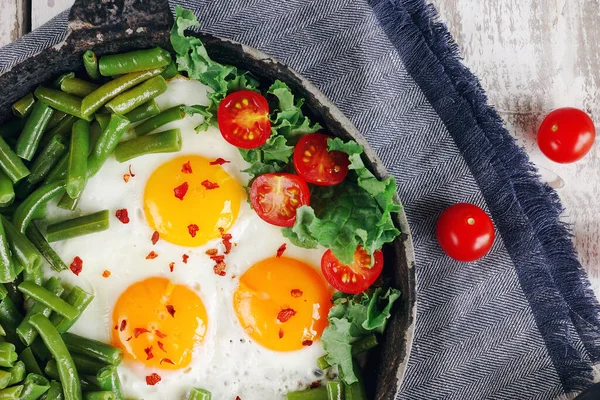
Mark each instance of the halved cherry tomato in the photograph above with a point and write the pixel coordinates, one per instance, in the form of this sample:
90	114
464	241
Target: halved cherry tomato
354	278
566	135
465	232
275	197
316	164
243	118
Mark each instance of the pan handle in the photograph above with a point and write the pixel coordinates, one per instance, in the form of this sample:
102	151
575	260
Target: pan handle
94	21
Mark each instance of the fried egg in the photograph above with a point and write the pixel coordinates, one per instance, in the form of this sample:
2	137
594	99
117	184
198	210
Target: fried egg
192	287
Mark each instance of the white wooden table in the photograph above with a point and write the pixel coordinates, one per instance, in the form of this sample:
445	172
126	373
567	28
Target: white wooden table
532	56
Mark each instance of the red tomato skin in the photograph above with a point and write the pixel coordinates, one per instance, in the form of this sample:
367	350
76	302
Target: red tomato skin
319	155
566	135
333	271
465	232
288	181
252	118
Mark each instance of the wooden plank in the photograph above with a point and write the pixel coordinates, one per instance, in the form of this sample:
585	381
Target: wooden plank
13	20
43	11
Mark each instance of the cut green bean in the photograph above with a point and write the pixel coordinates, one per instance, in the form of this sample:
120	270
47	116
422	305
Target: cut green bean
61	101
78	87
2	332
356	391
87	366
163	142
30	362
107	142
4	378
319	393
22	107
34	387
24	189
92	102
90	62
103	120
39	241
335	390
55	392
11	393
10	318
56	83
48	157
67	372
8	354
7	191
13	128
79	299
50	300
92	348
36	200
360	346
56	119
30	137
146	91
102	395
68	203
134	61
3	292
7	268
78	155
17	373
199	394
59	171
11	164
169	115
35	275
22	249
146	110
171	70
79	226
108	380
62	129
25	330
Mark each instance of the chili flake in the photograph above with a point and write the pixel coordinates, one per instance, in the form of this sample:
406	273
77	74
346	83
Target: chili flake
186	168
307	343
315	384
171	310
219	268
151	256
192	229
128	339
209	185
218	258
122	215
280	333
77	265
211	252
226	240
181	190
160	334
219	161
155	237
281	249
126	177
138	331
167	360
238	398
171	266
296	293
153	379
106	273
123	325
148	351
185	258
161	346
285	314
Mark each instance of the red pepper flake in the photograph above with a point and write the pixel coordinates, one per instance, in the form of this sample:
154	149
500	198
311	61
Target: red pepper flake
285	314
128	339
151	256
138	331
226	240
181	190
153	379
155	237
280	333
167	360
160	334
281	249
186	168
77	265
171	266
161	346
122	215
148	351
315	384
185	258
219	161
307	343
211	252
218	259
238	398
123	325
116	327
296	293
106	273
171	310
219	269
126	177
192	229
209	185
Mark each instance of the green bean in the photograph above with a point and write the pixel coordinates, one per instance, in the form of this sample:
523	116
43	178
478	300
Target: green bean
87	382
108	379
17	373
48	157
170	115
35	275
4	378
92	348
356	391
92	102
25	330
13	128
11	393
34	386
134	61
108	141
55	344
7	268
11	164
146	110
13	294
24	189
171	70
319	393
10	319
335	390
68	203
103	395
199	394
30	137
56	119
148	90
39	241
3	292
79	226
8	211
59	171
48	299
7	191
61	101
87	366
62	129
103	120
360	346
8	354
36	200
163	142
55	392
78	87
30	362
79	299
57	82
90	62
2	332
22	249
78	154
22	107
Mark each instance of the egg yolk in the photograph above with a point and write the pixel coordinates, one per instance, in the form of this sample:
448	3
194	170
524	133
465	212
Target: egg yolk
159	323
282	304
187	200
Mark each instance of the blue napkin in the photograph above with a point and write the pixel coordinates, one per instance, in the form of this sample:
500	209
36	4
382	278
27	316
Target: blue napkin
523	321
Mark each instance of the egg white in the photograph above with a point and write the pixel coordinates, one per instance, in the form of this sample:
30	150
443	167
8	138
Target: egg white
227	363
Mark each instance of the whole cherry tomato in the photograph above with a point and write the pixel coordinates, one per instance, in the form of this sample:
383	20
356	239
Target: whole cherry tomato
318	165
465	232
566	135
243	118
